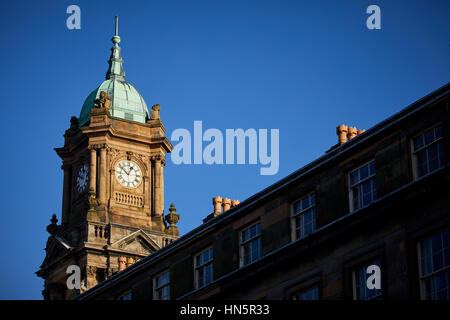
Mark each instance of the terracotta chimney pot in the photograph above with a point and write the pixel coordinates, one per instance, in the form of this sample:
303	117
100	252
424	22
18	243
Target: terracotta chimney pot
342	131
234	203
217	202
226	204
360	131
352	132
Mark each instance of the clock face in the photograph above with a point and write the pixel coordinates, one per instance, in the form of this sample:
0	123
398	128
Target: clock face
82	178
128	173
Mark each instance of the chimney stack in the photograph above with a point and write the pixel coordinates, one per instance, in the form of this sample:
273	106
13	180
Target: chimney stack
346	133
218	203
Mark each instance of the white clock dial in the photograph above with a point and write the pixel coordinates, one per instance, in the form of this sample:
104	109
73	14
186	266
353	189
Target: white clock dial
128	173
82	178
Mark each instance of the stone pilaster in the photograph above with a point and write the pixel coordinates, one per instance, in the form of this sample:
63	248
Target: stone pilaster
93	169
158	192
66	194
103	173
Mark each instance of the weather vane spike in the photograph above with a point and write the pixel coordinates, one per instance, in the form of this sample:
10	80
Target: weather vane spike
117	26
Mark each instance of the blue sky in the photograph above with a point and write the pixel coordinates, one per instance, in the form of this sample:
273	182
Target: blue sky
302	67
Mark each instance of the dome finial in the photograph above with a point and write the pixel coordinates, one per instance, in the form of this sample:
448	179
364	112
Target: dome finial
117	26
116	38
115	69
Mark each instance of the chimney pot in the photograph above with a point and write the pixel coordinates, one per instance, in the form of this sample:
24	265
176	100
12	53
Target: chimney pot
217	202
352	132
341	131
226	204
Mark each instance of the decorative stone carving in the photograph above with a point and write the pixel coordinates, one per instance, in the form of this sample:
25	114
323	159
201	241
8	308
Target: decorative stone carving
154	114
103	102
130	261
129	154
172	218
109	272
53	228
159	157
122	263
114	152
91	271
97	146
74	127
93	204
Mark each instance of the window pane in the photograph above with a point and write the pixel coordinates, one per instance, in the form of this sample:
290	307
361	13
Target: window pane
209	273
418	142
435	259
426	257
363	172
307	217
165	293
246	253
438	287
297	207
305	203
433	157
429	136
244	235
253	231
162	279
372	168
366	187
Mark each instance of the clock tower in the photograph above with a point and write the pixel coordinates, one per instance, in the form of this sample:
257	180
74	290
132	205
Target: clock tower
113	160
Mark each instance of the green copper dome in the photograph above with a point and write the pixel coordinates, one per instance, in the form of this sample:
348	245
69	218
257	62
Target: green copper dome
126	102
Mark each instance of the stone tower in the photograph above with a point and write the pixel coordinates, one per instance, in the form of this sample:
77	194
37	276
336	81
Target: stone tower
113	192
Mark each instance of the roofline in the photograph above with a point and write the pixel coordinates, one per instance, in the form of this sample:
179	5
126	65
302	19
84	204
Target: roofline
270	190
